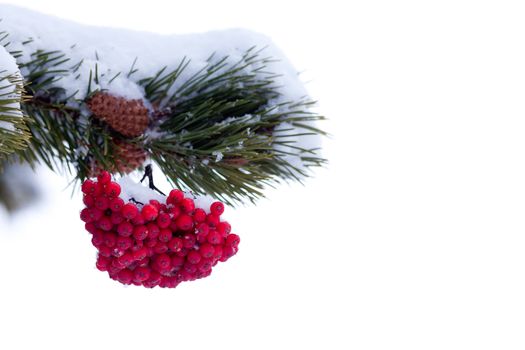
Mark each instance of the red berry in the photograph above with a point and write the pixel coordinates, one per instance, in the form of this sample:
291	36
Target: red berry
137	245
182	276
218	252
125	229
97	214
104	177
175	282
113	270
199	215
204	265
163	261
175	244
212	220
163	220
224	228
182	252
143	262
138	220
184	222
202	237
153	230
116	204
116	218
99	232
117	252
217	208
207	250
214	237
90	214
105	223
125	260
193	257
155	203
149	212
112	189
232	240
174	212
160	248
165	235
140	232
164	282
103	263
153	280
227	252
125	276
98	238
190	268
99	192
124	242
150	284
129	211
110	239
104	251
102	203
177	261
140	254
89	186
170	281
203	273
90	227
88	200
202	229
188	241
141	274
175	196
150	242
187	205
97	242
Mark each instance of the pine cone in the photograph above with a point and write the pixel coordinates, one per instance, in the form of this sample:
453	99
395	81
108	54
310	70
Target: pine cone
128	157
128	117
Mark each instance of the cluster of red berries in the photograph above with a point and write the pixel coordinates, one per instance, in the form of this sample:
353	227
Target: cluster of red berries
154	244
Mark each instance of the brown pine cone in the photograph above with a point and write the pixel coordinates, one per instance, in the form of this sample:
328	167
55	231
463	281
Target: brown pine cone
128	117
128	157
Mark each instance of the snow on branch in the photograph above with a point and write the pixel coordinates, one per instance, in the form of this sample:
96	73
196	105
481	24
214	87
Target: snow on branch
228	113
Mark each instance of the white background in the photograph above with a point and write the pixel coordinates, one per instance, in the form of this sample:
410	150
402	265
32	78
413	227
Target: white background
412	238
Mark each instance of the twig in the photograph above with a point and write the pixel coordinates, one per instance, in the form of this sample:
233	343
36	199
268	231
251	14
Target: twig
149	174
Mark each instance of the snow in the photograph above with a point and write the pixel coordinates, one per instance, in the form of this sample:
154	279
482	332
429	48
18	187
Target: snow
247	118
218	156
8	68
121	48
112	51
7	62
140	193
203	202
143	194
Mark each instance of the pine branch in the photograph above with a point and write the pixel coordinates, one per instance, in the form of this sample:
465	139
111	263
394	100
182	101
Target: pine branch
242	133
222	130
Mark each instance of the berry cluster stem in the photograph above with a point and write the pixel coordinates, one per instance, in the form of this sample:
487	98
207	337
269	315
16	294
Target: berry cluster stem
148	172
